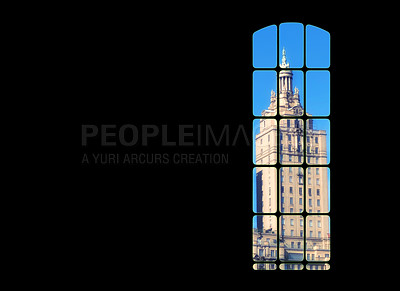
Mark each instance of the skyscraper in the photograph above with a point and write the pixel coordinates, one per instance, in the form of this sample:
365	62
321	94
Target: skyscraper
297	187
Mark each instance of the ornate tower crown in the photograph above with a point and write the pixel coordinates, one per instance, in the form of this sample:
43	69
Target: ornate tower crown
284	64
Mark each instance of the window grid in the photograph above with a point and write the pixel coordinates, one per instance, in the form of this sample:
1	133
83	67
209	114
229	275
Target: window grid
305	262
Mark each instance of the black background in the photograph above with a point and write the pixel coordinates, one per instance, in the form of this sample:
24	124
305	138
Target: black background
189	221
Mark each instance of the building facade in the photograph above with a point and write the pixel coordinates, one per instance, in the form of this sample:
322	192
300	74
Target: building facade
298	189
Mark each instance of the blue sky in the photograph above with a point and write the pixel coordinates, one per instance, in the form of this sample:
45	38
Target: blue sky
318	93
291	37
264	47
317	47
263	83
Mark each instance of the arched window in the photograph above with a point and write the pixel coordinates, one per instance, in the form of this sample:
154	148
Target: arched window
291	80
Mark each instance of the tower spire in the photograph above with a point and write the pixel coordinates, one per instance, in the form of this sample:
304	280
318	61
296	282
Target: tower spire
284	64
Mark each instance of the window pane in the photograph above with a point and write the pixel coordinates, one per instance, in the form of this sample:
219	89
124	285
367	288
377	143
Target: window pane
291	37
264	190
291	244
264	47
287	266
264	141
318	238
313	267
291	141
318	141
264	93
317	47
291	93
318	93
264	266
290	181
264	238
319	190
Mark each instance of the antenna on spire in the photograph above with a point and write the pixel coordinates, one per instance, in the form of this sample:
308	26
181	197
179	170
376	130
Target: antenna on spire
284	63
